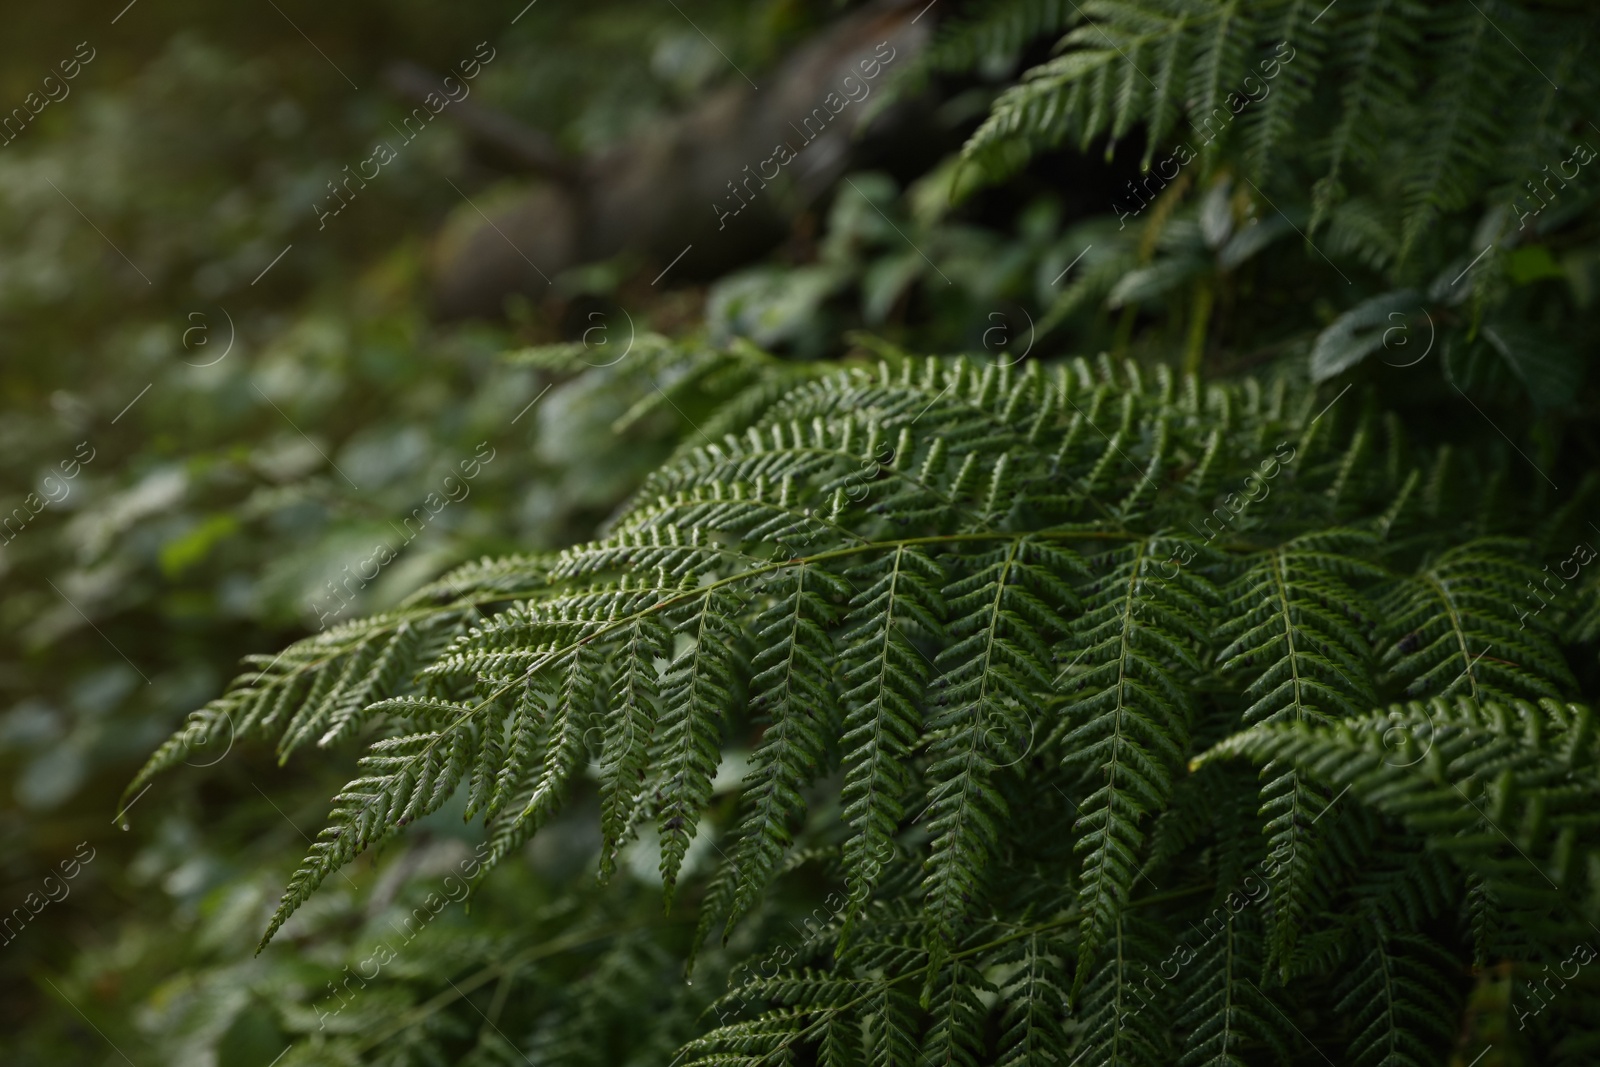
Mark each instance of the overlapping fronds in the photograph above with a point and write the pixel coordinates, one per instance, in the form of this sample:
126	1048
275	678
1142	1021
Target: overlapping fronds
929	601
1505	790
1492	86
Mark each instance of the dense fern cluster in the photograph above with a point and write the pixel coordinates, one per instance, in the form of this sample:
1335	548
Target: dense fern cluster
1432	160
1498	88
1072	675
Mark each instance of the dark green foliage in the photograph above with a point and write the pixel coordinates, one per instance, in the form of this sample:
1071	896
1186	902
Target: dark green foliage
1224	1011
1373	68
1001	626
1399	996
1429	160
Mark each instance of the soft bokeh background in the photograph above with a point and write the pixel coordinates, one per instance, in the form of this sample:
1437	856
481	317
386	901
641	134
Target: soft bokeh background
207	521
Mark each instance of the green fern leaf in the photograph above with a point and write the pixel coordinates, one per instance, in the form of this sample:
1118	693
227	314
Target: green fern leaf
1455	628
1138	638
1004	614
628	731
1401	1000
886	675
695	692
1225	1013
792	685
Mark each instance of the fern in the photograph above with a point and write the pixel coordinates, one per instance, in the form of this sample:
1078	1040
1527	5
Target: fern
1034	992
1118	1022
1374	51
1379	82
1396	995
1498	788
1451	629
998	660
1407	145
791	683
1294	614
1136	637
697	687
988	637
1224	1011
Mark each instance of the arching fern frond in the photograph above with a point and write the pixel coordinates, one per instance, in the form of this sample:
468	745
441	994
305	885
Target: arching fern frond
978	634
1501	789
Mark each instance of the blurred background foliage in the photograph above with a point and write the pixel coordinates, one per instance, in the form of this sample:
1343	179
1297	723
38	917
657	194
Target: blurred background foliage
225	492
257	425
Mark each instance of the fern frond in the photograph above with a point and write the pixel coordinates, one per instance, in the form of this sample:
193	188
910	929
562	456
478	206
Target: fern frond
1119	1023
1461	131
1455	628
885	672
1293	614
930	579
628	732
1401	999
1139	638
998	30
408	777
1224	1011
321	685
1034	997
956	1036
1004	615
1377	81
1220	56
1502	789
793	686
695	693
1299	28
554	714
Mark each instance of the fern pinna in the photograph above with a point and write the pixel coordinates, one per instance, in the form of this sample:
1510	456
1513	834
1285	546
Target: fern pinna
1006	647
